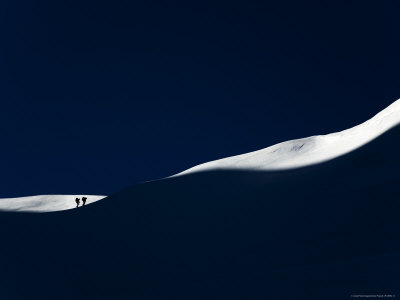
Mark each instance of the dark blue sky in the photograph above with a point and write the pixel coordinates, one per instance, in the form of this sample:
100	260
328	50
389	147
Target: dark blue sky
99	95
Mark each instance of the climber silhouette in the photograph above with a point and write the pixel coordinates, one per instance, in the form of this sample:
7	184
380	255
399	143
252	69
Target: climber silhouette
77	202
84	200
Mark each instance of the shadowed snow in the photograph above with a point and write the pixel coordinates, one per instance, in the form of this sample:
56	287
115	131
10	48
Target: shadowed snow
321	232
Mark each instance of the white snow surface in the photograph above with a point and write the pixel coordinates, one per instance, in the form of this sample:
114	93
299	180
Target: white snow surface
44	203
308	151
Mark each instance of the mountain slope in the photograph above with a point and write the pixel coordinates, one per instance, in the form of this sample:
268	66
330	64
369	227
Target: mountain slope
286	155
326	231
311	150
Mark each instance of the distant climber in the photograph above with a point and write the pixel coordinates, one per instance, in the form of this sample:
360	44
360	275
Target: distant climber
77	202
84	200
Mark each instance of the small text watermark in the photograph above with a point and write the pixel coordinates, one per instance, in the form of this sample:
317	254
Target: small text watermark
373	296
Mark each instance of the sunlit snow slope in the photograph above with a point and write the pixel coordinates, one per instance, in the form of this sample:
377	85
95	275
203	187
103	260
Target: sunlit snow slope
310	150
44	203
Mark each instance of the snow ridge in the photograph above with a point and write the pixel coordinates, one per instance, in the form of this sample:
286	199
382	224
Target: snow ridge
308	151
44	203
